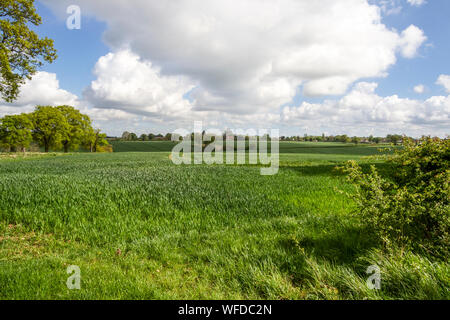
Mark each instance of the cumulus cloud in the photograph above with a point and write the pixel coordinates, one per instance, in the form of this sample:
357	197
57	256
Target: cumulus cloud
444	80
43	89
410	40
239	64
366	110
126	83
251	55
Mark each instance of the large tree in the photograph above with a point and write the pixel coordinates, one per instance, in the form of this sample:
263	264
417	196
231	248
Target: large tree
21	49
50	127
15	132
79	126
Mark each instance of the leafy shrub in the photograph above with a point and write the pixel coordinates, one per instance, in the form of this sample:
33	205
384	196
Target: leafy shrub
105	149
410	206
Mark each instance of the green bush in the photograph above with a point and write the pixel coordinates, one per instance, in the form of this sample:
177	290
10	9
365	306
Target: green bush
409	207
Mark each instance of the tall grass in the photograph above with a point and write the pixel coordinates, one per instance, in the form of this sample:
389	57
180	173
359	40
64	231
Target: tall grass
140	227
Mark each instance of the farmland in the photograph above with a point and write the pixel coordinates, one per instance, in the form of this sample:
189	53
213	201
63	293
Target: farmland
285	147
140	227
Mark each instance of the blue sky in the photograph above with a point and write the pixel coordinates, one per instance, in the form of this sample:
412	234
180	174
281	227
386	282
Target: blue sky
164	65
78	50
433	59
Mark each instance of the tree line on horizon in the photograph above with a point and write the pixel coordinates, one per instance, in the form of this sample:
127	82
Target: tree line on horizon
57	128
131	136
390	138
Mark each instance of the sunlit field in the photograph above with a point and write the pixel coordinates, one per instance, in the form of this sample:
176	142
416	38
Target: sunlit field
140	227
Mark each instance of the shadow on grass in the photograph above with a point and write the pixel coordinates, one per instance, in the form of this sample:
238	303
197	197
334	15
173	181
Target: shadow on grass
384	169
343	247
314	170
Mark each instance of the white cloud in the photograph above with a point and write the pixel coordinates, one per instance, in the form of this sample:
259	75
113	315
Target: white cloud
237	64
252	55
135	91
410	41
362	109
43	89
126	83
420	88
444	80
416	3
389	7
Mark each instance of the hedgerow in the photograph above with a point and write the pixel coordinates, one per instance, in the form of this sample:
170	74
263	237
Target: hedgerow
408	208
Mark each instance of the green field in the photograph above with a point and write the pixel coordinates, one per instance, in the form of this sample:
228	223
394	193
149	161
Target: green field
140	227
331	148
140	146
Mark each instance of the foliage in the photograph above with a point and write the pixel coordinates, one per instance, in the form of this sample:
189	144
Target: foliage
409	207
79	126
96	141
356	140
51	128
15	132
394	138
21	49
131	136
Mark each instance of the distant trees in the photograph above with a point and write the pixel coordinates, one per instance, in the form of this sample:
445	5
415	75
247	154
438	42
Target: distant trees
52	128
131	136
390	138
16	132
126	136
95	140
394	138
342	138
356	140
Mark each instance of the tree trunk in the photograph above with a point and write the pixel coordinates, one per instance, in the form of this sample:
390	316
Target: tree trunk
66	148
46	147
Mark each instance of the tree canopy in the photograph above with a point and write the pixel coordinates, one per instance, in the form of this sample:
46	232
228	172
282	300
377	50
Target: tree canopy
52	128
78	125
15	132
21	49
